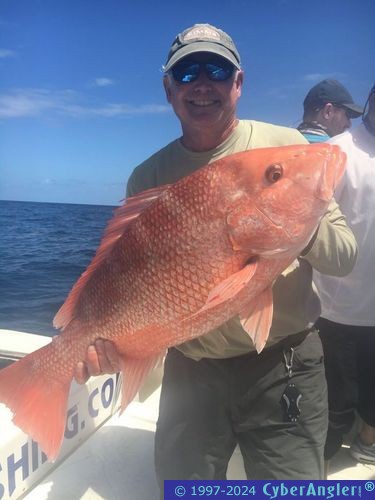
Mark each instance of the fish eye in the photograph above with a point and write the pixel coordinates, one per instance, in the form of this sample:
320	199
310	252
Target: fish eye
274	173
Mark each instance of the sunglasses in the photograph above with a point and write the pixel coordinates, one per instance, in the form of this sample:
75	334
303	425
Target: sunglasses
346	111
187	71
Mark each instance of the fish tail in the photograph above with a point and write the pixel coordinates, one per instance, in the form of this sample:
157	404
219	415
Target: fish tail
38	398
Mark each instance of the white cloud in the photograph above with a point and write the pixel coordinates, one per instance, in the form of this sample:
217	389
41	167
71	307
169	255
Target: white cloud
31	102
102	82
318	77
4	53
111	110
19	103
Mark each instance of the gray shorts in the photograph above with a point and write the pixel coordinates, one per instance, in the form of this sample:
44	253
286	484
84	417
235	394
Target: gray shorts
209	406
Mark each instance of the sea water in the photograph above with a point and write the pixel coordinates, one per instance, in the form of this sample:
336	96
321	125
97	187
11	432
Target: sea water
44	248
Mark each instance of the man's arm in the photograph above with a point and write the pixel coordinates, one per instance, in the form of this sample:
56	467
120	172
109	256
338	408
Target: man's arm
333	250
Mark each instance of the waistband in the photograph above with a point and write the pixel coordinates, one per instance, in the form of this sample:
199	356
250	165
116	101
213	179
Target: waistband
294	340
286	343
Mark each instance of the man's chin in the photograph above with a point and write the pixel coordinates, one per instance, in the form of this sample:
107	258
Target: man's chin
207	117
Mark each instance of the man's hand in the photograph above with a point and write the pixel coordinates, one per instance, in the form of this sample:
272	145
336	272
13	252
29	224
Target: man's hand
102	357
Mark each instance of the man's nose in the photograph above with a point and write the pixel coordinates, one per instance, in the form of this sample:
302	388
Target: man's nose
202	82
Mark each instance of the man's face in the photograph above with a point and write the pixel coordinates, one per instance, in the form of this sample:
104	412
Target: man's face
204	102
337	121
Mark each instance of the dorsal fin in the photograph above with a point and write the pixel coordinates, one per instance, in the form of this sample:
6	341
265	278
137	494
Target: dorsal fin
123	217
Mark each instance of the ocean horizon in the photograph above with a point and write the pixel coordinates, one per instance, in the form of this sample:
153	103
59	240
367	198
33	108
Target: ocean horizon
59	203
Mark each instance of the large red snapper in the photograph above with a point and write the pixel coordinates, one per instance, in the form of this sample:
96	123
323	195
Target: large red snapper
176	262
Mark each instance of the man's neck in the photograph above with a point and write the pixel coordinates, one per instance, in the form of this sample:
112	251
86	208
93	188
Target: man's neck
204	138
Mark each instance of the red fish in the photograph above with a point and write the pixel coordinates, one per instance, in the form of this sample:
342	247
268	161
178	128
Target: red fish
176	262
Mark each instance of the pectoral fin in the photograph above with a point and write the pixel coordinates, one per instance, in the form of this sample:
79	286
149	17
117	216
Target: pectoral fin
256	318
230	287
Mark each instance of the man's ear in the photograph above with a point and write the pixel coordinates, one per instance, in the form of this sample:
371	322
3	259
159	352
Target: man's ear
167	87
327	110
239	81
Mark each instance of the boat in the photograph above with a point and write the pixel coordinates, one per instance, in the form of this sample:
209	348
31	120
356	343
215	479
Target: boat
104	456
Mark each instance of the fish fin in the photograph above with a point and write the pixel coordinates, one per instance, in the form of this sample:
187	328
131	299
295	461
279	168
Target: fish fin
256	318
229	288
134	372
38	401
123	217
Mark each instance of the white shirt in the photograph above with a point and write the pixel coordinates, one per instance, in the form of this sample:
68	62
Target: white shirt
351	300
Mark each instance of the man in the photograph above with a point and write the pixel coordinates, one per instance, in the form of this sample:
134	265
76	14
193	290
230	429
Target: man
328	109
217	391
347	325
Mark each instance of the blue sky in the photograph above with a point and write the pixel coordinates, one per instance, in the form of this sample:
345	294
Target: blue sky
81	98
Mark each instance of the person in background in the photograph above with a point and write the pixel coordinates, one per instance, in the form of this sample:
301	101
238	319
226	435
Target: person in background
217	391
328	109
347	323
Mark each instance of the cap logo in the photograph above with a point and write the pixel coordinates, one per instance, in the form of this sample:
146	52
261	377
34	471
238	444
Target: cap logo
202	33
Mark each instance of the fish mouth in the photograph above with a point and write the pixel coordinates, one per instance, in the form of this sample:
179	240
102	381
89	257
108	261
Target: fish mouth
332	169
331	175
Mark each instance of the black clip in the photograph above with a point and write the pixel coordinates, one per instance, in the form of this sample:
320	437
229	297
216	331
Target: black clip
290	403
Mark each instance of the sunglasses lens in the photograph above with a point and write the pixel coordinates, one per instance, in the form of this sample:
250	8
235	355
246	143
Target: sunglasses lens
219	73
185	72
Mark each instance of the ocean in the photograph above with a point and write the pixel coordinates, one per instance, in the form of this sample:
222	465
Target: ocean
44	249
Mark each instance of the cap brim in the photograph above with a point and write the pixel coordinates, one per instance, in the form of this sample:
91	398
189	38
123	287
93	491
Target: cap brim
354	111
194	47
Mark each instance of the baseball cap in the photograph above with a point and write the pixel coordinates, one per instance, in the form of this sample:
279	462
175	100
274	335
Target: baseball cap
334	92
202	38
